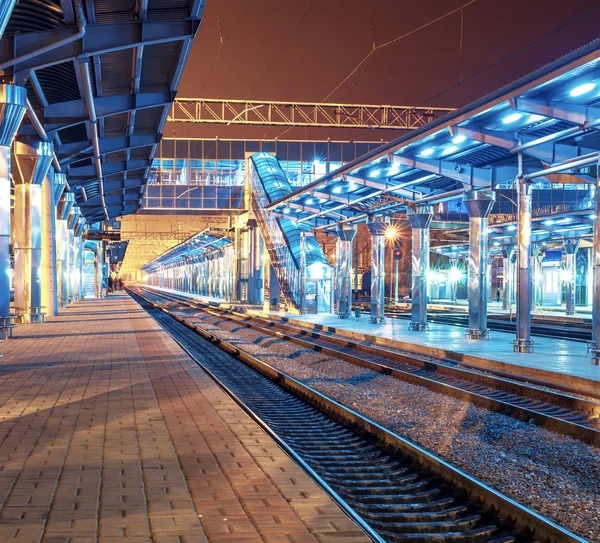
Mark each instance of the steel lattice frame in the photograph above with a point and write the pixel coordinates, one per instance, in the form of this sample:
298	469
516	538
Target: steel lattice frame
215	111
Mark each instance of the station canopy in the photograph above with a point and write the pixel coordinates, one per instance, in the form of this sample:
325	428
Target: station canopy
195	248
100	76
550	118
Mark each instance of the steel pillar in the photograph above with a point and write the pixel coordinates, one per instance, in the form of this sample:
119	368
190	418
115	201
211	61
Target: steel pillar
595	343
537	286
344	271
303	273
256	281
62	243
523	342
80	250
71	279
13	103
377	227
30	166
507	255
52	190
571	247
479	204
419	219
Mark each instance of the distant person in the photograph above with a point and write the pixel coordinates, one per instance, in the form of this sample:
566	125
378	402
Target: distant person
498	294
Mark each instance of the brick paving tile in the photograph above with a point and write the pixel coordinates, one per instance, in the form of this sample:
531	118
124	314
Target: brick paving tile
109	433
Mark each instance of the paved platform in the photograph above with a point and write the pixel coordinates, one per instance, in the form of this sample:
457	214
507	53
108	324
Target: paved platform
111	433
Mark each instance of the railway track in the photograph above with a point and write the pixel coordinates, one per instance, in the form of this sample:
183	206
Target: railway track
395	490
554	410
581	332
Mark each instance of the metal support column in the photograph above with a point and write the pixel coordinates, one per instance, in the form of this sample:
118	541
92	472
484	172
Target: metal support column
78	252
255	264
537	284
571	247
419	219
377	227
479	204
71	224
507	255
52	189
344	271
303	273
30	166
13	103
595	343
62	243
523	342
98	271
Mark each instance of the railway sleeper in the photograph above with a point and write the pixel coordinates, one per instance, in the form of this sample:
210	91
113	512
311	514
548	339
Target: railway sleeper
419	516
478	535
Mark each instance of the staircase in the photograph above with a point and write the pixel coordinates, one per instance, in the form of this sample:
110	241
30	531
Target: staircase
268	183
88	281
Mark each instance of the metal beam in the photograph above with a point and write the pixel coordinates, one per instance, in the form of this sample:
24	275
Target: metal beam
579	114
75	111
72	151
98	39
109	168
463	173
265	113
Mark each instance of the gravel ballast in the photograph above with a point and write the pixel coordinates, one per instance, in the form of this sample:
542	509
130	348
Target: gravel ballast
553	474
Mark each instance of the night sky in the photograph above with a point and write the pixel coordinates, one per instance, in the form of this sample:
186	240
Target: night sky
301	50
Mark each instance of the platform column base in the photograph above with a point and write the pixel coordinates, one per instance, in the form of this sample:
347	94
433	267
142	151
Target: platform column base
477	334
376	320
418	326
523	345
346	315
569	312
594	355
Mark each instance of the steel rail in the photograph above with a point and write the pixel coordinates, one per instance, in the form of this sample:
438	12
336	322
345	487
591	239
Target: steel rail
409	368
500	505
539	327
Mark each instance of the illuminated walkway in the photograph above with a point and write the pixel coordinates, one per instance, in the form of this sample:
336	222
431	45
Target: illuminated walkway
111	433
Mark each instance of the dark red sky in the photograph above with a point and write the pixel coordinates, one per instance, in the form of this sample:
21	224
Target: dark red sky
301	50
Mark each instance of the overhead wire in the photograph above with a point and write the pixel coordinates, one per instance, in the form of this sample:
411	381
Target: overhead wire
536	42
461	80
282	48
390	42
375	48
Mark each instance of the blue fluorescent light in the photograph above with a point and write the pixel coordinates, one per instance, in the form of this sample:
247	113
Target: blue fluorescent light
535	118
428	151
549	222
512	118
582	89
286	210
511	228
592	216
458	139
337	190
375	173
309	201
451	149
